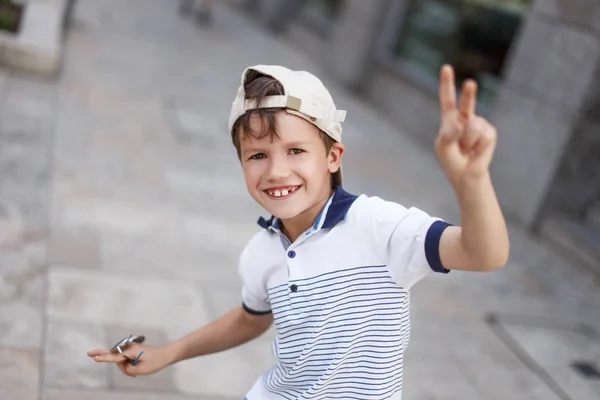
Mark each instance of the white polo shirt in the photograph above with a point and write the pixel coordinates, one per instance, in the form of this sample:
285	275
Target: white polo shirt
340	297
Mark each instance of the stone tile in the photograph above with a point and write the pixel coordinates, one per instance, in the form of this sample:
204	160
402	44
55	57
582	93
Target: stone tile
117	216
157	383
554	348
228	235
575	385
205	374
28	106
497	381
221	298
204	184
61	394
192	127
19	374
96	297
72	341
168	254
25	175
435	378
426	340
192	199
17	234
200	247
75	249
105	215
21	297
87	187
20	325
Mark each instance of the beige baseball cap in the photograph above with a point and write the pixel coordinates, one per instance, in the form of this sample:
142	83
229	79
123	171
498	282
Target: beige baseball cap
304	96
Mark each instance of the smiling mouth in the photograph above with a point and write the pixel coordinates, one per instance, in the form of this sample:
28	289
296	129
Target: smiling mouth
281	192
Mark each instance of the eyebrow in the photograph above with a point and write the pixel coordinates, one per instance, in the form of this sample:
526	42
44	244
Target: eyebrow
298	144
253	150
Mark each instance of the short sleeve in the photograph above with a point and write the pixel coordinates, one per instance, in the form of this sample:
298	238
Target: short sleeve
409	241
255	298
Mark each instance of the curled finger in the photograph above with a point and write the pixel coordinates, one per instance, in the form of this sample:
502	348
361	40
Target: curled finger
123	367
452	128
473	133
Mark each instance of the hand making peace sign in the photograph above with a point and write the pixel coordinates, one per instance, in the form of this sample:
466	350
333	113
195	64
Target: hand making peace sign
466	142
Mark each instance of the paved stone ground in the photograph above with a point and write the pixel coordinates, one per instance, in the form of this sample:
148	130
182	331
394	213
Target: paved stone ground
123	168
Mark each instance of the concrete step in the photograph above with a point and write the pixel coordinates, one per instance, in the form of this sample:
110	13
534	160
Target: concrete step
577	239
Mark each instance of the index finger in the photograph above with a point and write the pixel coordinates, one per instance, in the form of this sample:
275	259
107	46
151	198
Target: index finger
447	89
97	352
110	357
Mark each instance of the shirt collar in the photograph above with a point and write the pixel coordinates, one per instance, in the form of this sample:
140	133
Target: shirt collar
333	212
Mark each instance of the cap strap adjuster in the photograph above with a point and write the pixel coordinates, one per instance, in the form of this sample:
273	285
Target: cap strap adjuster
293	103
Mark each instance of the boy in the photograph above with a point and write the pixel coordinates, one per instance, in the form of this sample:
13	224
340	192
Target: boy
331	269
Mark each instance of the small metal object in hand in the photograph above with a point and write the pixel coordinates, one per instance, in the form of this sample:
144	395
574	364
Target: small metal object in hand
123	343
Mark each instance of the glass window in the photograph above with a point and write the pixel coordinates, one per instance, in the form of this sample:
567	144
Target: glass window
472	35
322	9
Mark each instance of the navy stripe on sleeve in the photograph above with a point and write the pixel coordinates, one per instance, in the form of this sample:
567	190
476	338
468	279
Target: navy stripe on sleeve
254	312
432	246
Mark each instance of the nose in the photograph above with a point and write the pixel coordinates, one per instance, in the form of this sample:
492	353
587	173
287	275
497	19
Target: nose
278	169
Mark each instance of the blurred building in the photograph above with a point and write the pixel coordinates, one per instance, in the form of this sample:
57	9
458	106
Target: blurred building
537	65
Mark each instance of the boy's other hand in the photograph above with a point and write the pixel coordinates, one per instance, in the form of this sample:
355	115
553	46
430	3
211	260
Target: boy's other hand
153	360
466	141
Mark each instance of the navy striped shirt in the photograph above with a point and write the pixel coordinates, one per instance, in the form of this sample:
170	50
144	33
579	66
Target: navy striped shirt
340	297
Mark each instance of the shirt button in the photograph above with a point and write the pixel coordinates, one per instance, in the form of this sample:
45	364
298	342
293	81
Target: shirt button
294	288
291	254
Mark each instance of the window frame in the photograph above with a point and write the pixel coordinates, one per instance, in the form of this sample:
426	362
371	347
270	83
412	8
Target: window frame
395	22
320	24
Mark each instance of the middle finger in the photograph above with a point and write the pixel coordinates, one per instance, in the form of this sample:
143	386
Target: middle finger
468	98
110	357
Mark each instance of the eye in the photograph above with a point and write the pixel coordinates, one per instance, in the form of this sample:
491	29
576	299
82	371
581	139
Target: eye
258	156
296	151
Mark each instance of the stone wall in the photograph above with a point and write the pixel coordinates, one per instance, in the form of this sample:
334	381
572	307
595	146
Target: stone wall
547	80
576	186
546	151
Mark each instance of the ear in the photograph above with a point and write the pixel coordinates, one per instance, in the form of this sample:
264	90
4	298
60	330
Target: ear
334	159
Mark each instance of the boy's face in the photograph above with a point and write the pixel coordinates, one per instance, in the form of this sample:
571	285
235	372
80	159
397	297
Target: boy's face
289	174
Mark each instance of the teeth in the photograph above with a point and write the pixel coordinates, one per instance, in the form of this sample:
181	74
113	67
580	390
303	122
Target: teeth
282	192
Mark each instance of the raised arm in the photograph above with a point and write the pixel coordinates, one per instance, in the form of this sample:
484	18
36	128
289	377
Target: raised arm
465	147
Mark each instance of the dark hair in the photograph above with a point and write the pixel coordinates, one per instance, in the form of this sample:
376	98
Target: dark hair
258	86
